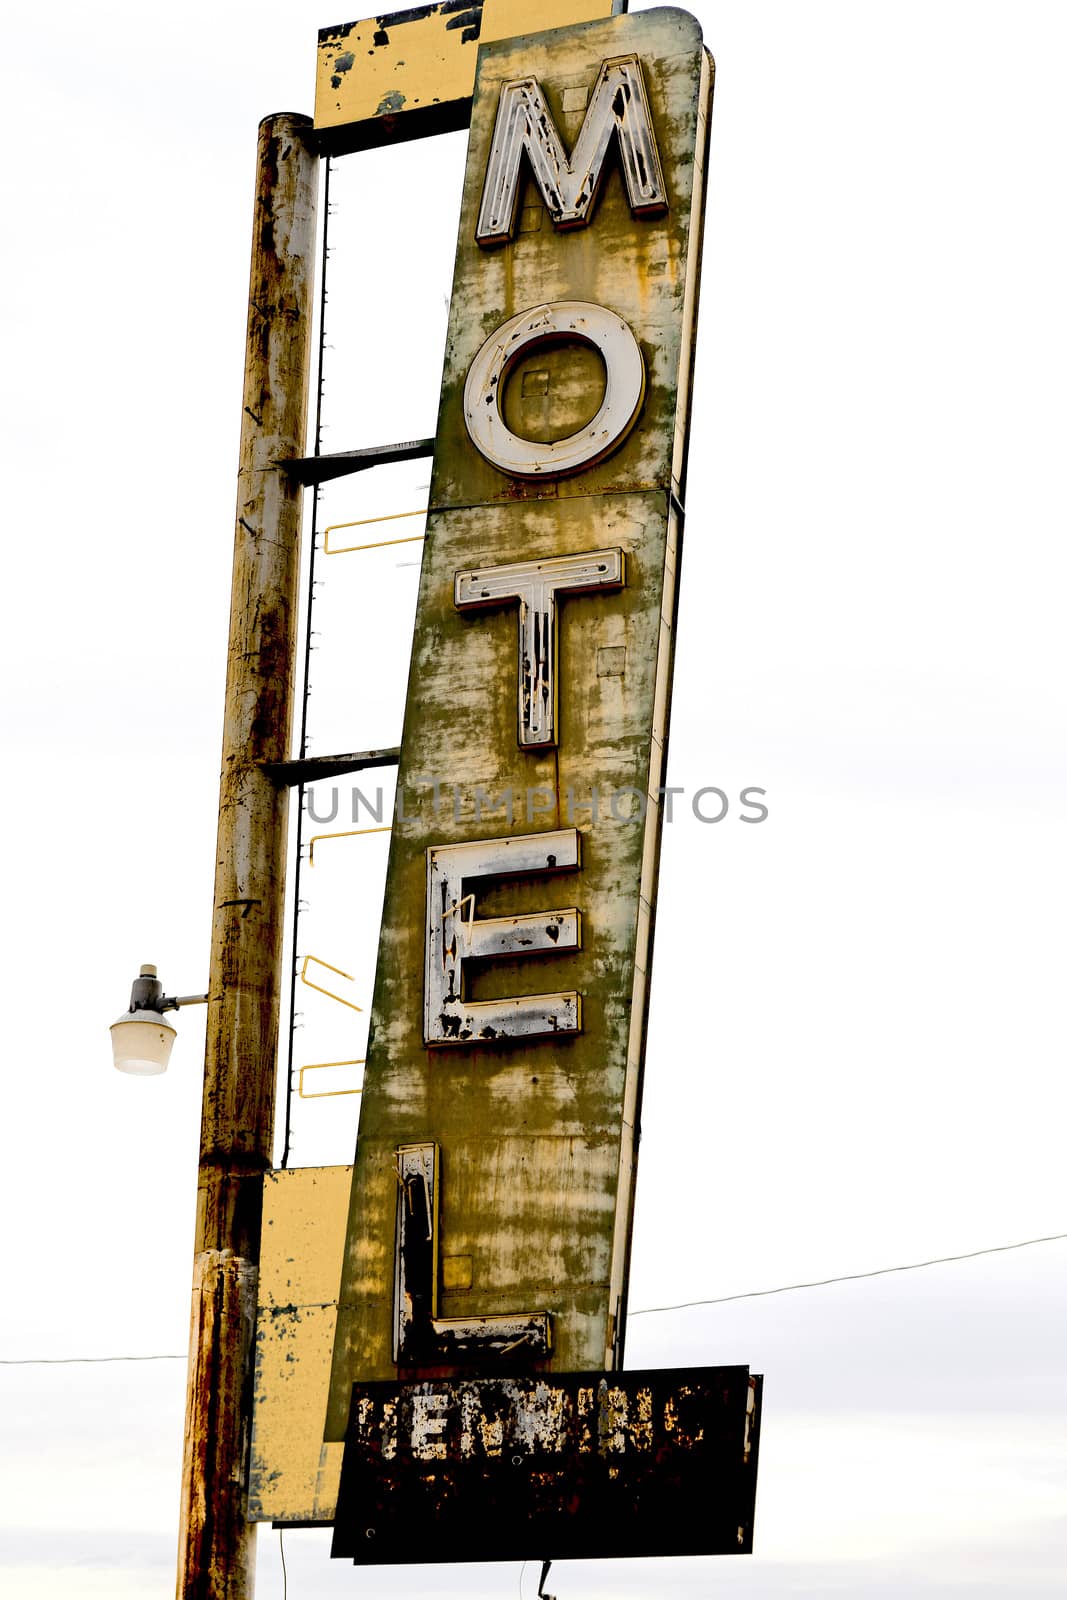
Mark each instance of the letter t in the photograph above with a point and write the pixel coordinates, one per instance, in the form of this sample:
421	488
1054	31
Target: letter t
535	585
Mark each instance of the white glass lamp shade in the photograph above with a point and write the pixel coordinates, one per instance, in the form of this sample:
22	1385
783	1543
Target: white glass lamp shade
141	1041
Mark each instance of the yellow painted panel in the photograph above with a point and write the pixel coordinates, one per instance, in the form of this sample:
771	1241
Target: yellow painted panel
422	62
506	19
294	1475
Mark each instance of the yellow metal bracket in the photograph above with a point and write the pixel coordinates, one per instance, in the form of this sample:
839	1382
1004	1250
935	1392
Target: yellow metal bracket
456	911
366	522
350	833
326	1094
318	986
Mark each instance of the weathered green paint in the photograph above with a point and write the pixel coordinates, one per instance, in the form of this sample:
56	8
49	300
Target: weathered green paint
647	271
537	1140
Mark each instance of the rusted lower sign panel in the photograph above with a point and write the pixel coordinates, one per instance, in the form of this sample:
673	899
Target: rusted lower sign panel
569	1465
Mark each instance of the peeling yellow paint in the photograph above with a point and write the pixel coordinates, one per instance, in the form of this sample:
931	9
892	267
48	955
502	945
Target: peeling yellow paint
421	62
293	1475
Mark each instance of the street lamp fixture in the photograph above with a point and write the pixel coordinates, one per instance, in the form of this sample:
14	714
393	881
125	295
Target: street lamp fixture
142	1037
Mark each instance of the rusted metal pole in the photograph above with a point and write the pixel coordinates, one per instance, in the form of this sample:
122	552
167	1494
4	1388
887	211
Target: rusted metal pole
216	1559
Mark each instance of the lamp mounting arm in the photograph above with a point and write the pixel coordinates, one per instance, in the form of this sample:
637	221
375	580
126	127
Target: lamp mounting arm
147	995
174	1002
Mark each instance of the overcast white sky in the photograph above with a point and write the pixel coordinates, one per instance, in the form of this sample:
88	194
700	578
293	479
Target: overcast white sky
856	1051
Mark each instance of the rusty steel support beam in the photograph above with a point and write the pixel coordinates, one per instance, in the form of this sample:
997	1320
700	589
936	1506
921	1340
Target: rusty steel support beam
315	769
216	1559
323	469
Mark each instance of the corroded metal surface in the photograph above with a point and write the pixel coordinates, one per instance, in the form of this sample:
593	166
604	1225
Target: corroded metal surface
456	934
421	1337
572	1465
405	74
537	585
569	183
644	270
537	1133
487	382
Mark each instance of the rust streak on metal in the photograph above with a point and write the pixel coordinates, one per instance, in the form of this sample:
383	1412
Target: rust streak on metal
581	1463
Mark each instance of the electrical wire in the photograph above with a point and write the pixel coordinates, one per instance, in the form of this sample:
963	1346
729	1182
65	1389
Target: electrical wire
75	1361
281	1549
643	1311
850	1277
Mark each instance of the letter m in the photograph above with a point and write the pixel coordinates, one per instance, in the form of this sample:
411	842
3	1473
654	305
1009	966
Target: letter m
569	184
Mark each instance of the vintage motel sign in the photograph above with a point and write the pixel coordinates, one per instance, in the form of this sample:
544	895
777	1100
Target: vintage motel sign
470	1314
492	1187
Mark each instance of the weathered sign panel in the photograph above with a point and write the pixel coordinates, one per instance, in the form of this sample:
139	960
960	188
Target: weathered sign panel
406	74
567	1465
293	1474
492	1185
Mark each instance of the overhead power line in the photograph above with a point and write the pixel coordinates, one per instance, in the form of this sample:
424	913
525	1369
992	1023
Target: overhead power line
80	1361
643	1311
851	1277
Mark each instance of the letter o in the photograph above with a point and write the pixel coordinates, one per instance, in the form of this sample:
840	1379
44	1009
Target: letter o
624	391
696	805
